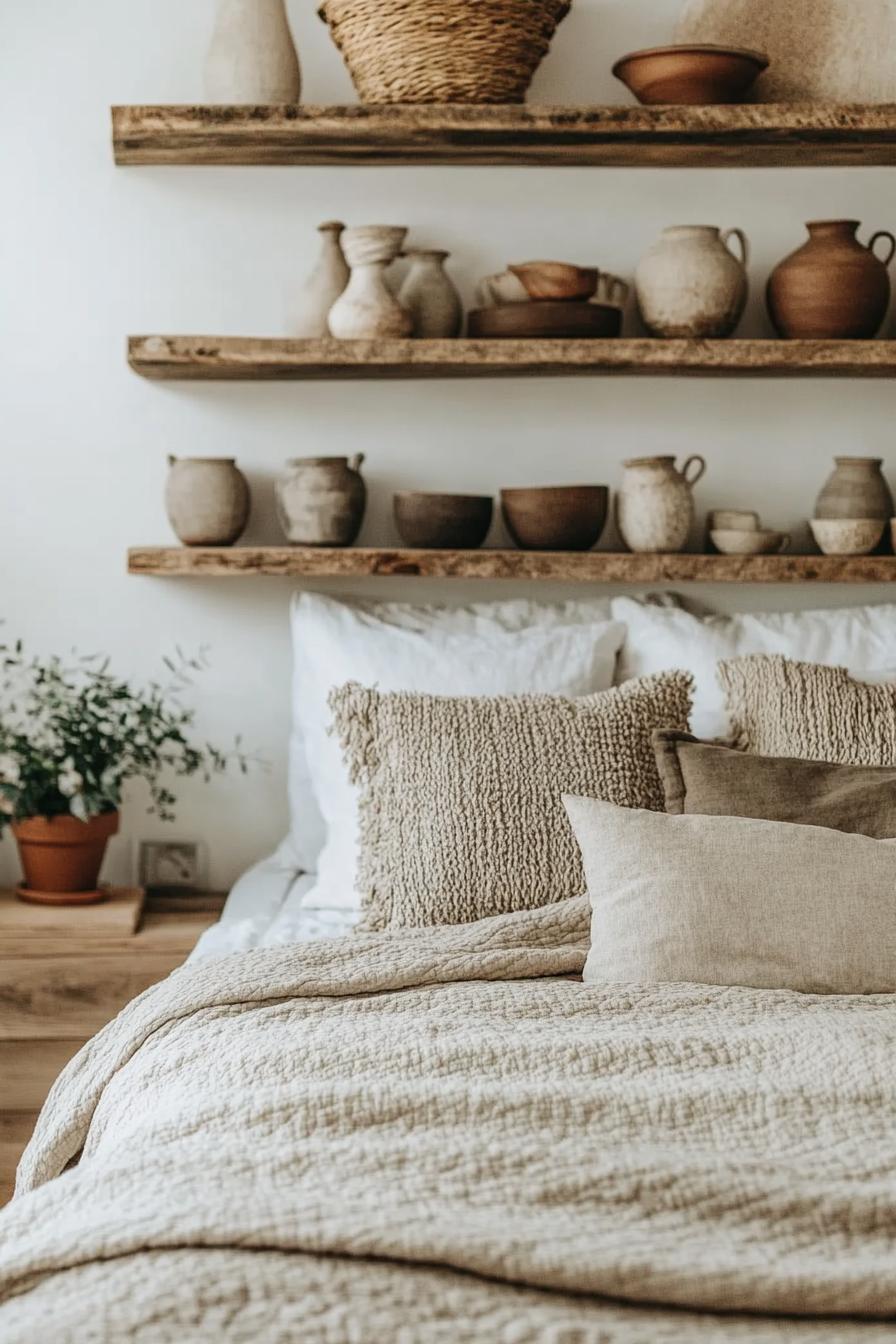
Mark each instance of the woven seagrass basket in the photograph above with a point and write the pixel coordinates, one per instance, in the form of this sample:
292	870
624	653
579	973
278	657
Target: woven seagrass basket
442	51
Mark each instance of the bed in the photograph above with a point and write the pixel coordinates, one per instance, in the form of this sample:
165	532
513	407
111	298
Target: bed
443	1132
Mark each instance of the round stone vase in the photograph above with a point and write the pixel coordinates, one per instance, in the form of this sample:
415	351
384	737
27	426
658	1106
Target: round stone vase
367	309
655	504
207	500
689	284
321	500
430	297
856	488
833	287
308	321
252	57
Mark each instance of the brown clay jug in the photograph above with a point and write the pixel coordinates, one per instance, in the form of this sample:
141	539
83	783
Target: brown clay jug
833	287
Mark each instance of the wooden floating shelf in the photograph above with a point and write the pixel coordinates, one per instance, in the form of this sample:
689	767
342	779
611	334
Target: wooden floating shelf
312	562
757	135
233	358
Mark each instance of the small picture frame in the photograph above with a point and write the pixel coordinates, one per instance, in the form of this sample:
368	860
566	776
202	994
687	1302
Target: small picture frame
170	867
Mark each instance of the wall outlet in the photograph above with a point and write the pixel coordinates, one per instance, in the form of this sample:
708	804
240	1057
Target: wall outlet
170	865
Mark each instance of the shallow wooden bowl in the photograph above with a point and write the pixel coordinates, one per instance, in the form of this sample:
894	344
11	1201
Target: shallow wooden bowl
556	517
435	521
545	319
557	280
688	74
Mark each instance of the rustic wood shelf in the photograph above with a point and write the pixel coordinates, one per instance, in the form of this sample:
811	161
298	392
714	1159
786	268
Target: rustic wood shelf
586	566
228	358
758	135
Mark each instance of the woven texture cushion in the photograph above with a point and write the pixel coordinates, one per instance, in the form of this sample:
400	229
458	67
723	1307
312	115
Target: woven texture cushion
736	901
461	811
782	708
706	778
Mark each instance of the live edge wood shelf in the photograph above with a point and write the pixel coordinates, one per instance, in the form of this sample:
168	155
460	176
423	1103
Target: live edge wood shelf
208	562
760	135
228	358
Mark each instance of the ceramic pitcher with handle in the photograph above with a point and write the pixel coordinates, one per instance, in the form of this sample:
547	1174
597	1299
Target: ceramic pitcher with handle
655	503
690	283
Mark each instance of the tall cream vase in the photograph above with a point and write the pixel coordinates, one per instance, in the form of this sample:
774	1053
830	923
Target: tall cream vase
308	320
252	57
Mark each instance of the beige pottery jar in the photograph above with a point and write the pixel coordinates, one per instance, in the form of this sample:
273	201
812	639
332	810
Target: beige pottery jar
323	286
856	488
654	504
828	51
429	295
321	500
207	500
252	57
367	309
689	284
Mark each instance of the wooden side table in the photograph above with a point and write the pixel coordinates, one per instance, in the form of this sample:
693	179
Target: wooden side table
66	972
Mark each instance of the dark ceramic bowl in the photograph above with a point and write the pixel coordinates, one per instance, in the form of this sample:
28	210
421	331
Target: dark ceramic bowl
453	522
540	319
694	75
556	517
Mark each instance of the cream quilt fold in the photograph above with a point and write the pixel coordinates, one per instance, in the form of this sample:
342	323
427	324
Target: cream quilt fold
441	1135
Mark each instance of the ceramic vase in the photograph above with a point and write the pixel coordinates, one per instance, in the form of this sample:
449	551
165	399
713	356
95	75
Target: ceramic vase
252	57
689	284
833	287
323	286
321	500
825	51
856	488
207	499
655	504
430	297
367	308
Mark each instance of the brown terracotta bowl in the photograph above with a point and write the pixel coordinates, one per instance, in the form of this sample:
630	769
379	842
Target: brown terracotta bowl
556	517
558	280
430	521
693	75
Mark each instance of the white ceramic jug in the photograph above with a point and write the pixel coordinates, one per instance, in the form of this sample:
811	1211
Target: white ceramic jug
252	57
654	504
689	284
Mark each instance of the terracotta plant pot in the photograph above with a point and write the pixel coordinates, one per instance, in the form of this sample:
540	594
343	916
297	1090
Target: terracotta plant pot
62	857
833	287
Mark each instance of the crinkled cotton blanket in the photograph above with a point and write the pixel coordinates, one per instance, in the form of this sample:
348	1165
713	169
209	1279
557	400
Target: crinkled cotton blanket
442	1135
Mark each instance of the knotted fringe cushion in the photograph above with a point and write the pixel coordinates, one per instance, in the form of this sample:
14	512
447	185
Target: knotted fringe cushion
806	710
442	51
460	798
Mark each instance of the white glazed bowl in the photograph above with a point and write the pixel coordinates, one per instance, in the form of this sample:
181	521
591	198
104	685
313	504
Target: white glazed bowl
847	536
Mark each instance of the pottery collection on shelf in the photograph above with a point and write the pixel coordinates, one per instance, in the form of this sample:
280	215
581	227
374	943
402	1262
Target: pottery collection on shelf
321	500
207	500
252	57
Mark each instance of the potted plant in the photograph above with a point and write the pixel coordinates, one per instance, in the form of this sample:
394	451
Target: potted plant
71	737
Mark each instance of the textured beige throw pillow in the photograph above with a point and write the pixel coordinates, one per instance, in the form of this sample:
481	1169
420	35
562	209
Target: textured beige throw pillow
736	901
461	811
808	711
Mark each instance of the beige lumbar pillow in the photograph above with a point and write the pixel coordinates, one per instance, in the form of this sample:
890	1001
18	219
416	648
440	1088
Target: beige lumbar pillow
809	711
461	812
736	901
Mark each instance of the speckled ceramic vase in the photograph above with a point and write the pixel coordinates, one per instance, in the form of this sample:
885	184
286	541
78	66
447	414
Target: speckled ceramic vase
689	284
820	50
654	505
429	295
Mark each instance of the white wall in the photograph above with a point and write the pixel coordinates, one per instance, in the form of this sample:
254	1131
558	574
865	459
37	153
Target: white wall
91	252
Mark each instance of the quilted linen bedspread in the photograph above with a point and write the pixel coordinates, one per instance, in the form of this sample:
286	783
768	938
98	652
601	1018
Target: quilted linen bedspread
442	1135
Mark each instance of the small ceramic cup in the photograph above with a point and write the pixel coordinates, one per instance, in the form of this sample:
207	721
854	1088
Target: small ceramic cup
733	541
732	520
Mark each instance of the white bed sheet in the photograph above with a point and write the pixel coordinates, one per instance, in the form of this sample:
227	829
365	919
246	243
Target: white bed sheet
266	908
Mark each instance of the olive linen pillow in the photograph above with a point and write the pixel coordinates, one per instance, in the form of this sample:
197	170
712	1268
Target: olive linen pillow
460	797
736	901
808	711
708	778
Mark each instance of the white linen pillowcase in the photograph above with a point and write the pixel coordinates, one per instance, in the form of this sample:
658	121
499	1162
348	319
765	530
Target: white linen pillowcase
735	901
480	650
861	639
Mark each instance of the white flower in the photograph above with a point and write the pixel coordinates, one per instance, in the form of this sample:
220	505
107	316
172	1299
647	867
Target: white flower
7	806
69	782
10	772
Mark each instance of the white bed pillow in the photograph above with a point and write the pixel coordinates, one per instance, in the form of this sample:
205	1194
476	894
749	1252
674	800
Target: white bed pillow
862	639
506	648
735	901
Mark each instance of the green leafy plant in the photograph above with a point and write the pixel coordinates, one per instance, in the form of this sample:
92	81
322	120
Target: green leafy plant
72	735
